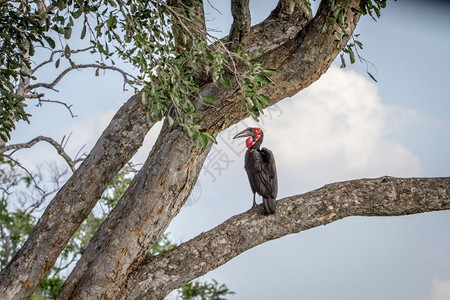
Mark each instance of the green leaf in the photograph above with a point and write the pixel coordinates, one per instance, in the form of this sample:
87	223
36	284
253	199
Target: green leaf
371	76
57	63
31	49
83	32
226	82
67	33
150	120
209	99
50	41
270	71
67	51
352	55
343	65
264	99
144	98
210	137
203	139
170	119
76	14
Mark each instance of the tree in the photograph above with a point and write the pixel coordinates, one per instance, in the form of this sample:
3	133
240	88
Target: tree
211	87
17	223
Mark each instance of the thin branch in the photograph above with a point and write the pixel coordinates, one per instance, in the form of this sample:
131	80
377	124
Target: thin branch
385	196
31	176
52	56
58	147
52	85
69	107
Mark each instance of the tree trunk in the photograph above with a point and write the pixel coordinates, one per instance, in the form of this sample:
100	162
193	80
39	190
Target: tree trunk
73	203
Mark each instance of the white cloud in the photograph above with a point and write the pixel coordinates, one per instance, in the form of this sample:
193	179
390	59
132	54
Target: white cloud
86	131
440	289
338	129
334	130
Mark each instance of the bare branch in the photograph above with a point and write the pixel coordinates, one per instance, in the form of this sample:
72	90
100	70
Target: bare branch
52	85
31	176
69	107
52	56
58	147
241	23
385	196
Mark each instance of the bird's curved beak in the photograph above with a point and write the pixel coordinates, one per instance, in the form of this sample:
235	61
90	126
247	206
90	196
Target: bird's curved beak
245	133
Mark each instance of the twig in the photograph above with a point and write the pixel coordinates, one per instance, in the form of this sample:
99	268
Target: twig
52	55
26	171
76	67
34	141
69	107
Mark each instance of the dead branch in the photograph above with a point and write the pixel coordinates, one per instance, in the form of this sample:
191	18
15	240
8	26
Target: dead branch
52	56
52	85
56	145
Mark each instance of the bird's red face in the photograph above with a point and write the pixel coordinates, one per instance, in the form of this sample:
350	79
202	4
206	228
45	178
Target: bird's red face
253	133
254	138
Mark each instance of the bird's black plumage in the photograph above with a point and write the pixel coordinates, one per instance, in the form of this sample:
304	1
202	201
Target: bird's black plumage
261	169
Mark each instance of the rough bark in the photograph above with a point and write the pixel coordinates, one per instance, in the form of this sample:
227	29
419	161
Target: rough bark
240	28
293	44
165	181
74	202
157	275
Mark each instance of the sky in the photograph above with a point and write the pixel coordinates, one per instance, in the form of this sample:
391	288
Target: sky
344	126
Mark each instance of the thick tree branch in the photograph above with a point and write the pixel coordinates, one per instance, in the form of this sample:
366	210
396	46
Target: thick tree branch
72	204
154	198
240	28
157	275
165	181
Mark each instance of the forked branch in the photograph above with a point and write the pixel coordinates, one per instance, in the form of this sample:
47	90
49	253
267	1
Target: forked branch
59	148
52	85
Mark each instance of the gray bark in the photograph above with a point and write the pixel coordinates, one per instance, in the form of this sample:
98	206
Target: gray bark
154	197
240	28
115	260
157	275
73	203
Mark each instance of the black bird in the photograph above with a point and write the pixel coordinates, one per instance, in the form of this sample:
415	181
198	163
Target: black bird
260	168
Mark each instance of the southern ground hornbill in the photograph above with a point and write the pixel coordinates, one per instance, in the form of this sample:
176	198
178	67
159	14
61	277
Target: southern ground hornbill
260	168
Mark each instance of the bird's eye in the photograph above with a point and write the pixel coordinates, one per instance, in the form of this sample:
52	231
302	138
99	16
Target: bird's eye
256	130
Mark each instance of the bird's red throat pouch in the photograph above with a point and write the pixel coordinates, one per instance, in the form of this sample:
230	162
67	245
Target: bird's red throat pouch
252	140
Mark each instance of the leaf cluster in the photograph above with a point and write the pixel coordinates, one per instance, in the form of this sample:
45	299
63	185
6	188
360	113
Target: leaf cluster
20	28
338	13
165	41
204	291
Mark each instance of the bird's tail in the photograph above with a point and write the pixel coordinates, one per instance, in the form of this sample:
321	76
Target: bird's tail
270	205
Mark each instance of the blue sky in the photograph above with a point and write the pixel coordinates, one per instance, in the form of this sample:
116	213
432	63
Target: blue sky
344	126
